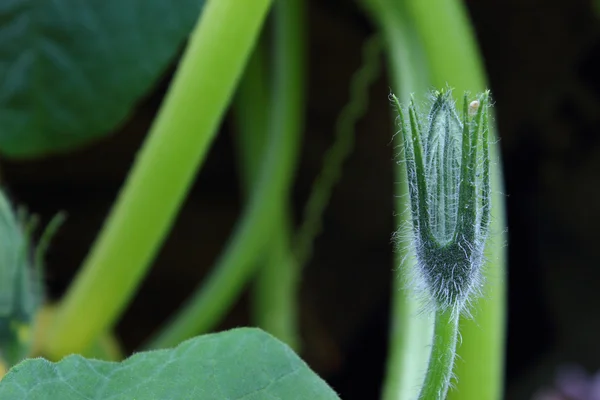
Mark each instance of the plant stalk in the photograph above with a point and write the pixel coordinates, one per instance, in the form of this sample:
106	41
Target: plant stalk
161	175
239	261
274	300
410	328
439	370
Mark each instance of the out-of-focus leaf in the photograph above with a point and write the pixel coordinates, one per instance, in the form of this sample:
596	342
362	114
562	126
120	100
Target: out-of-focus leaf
240	364
72	70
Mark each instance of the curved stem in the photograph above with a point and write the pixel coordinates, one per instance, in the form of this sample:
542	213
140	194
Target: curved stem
439	370
274	300
410	328
161	176
237	264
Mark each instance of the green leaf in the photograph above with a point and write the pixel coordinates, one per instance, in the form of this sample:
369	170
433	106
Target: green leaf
72	70
244	363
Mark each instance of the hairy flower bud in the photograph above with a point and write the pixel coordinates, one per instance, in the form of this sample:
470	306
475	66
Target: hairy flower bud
449	186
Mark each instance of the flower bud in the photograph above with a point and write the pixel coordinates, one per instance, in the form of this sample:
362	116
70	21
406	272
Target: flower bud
449	188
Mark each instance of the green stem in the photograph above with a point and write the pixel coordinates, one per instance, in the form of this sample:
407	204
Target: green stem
251	115
410	329
449	44
238	262
439	370
275	301
275	293
162	174
275	307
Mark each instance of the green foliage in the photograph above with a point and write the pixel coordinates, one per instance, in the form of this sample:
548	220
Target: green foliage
238	364
71	70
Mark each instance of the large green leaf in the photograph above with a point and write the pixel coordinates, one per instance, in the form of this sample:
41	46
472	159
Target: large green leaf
240	364
71	70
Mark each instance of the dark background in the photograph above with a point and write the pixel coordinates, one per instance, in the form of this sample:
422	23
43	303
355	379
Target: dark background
543	61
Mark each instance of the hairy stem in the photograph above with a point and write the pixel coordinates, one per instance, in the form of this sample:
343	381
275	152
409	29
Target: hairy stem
439	370
161	176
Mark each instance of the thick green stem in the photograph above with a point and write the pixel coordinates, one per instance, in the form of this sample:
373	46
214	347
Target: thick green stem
410	329
238	262
251	115
275	306
162	174
439	370
276	290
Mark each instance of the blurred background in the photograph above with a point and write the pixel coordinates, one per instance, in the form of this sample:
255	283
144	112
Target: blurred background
543	64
